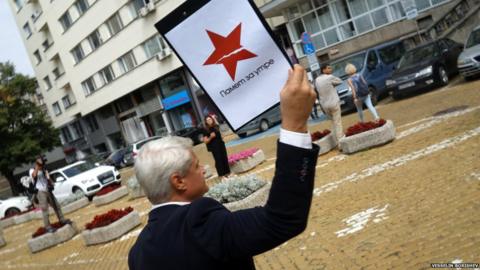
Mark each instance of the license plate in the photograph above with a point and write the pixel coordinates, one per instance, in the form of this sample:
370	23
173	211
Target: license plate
342	102
110	179
406	85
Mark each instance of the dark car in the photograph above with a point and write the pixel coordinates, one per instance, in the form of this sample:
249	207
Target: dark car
116	158
97	158
194	133
429	65
262	122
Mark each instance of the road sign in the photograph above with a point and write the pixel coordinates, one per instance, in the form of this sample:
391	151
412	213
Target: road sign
309	50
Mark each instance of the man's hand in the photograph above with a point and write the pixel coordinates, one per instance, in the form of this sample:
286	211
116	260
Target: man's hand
296	100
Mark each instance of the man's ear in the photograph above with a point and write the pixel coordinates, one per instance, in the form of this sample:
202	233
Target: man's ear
178	182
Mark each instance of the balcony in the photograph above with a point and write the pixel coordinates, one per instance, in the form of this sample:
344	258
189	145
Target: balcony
148	107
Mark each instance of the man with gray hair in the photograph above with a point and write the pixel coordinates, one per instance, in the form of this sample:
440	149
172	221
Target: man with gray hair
188	231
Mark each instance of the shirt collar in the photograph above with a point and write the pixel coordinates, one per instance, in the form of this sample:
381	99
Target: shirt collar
169	203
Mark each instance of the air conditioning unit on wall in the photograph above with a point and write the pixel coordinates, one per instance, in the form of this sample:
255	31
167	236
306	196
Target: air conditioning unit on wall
150	6
163	54
143	11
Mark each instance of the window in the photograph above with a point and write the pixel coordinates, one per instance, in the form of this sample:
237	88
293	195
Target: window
18	4
27	30
107	74
114	24
95	40
46	45
78	53
89	86
372	59
127	62
77	129
66	102
153	46
57	73
48	84
65	20
392	53
37	56
363	24
66	134
56	108
82	6
92	123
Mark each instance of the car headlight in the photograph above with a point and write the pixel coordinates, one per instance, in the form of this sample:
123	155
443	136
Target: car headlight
390	82
87	181
424	72
464	61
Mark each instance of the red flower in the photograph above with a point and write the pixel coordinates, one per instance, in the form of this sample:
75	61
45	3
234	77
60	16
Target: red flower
107	218
365	126
41	231
107	189
317	135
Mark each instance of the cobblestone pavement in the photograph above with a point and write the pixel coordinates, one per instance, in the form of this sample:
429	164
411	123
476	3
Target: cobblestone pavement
403	205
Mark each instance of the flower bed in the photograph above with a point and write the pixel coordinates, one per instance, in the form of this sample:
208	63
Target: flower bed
134	188
111	196
111	225
245	160
42	240
325	140
240	192
107	189
363	136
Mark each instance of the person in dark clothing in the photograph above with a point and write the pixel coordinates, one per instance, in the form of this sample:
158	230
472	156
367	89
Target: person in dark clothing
216	145
188	231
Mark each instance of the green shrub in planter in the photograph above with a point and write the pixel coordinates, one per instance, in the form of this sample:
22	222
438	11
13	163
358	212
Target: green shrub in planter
235	188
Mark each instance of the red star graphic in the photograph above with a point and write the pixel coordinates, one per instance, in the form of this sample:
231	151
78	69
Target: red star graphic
228	50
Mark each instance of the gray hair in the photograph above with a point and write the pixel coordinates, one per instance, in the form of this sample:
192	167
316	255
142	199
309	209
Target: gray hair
350	69
157	161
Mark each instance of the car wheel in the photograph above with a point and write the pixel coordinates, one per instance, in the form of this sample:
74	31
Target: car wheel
442	73
242	135
396	96
78	192
373	95
264	125
12	212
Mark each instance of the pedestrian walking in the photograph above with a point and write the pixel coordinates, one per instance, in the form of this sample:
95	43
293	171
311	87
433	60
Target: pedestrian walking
216	145
329	100
360	92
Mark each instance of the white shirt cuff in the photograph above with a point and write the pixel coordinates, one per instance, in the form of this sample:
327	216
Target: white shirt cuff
301	140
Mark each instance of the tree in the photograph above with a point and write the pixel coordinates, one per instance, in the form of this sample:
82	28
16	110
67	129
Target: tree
25	131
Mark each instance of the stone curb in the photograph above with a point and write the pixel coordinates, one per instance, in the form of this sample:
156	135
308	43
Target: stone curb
110	197
2	240
258	198
5	223
112	231
52	239
24	217
368	139
249	163
74	206
326	144
136	193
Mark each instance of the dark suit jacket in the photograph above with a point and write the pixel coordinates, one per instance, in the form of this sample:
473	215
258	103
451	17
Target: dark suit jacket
206	235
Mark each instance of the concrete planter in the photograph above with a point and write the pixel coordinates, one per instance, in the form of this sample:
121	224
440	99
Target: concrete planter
2	240
112	231
111	196
258	198
249	163
326	144
24	217
74	206
135	193
5	223
52	239
368	139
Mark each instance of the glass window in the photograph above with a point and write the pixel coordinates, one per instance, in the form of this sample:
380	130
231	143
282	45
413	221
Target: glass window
372	59
397	11
325	17
48	84
391	53
89	86
318	41
172	84
127	62
422	4
343	13
95	40
435	2
92	123
27	30
46	45
331	36
363	24
65	20
18	4
380	17
311	23
66	102
82	6
114	24
357	7
66	134
473	39
56	72
77	129
372	4
78	169
305	6
293	12
298	29
153	46
338	67
37	56
319	3
56	108
78	53
413	56
347	30
107	75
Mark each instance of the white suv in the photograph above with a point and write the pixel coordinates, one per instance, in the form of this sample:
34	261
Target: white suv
83	177
14	205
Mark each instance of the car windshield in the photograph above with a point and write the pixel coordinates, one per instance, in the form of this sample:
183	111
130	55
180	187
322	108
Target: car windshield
414	56
339	67
78	169
473	39
391	54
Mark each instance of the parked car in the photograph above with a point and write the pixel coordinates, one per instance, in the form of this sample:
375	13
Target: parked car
262	122
375	64
83	177
14	205
116	158
132	150
194	133
97	158
425	66
469	60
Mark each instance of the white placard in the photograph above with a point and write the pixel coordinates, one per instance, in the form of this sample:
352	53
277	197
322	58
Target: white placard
211	41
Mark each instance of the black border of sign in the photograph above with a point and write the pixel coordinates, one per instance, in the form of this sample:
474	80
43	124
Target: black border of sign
185	10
